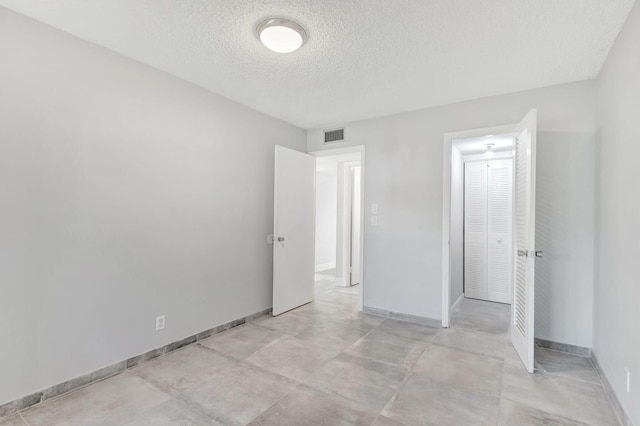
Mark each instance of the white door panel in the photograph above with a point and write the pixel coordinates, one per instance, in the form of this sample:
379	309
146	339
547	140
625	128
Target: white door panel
522	308
294	229
355	226
499	231
475	230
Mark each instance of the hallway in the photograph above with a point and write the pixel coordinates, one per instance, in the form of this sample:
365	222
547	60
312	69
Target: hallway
326	363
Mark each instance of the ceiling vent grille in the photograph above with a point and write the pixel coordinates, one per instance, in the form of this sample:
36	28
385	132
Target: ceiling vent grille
334	136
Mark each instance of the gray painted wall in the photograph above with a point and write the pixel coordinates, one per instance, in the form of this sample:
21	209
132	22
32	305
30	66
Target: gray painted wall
125	193
403	255
617	337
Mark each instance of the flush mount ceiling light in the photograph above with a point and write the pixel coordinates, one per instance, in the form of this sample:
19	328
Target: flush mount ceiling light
489	152
281	35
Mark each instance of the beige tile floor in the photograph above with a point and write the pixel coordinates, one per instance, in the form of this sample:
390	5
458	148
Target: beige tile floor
326	363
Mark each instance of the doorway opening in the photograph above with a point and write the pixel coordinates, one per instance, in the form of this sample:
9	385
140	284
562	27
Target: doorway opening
466	219
481	232
481	218
521	323
339	225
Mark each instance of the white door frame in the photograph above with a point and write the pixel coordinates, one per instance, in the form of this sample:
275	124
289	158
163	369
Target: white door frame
350	150
446	205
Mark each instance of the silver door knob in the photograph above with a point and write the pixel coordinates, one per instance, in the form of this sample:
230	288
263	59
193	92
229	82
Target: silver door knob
524	253
539	253
280	239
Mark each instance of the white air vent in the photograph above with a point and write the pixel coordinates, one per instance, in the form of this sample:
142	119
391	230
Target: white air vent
333	136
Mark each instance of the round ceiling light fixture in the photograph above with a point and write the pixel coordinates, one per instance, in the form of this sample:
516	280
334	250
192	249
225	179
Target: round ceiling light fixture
489	152
281	35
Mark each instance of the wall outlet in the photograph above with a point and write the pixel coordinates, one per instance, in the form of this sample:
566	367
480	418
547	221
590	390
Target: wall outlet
628	379
160	322
374	220
374	209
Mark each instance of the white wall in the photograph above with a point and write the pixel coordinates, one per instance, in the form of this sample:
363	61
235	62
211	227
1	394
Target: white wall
125	193
565	203
326	213
404	176
617	339
456	237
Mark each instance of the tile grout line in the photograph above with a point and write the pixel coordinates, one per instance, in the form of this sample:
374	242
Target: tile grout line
125	365
23	419
404	382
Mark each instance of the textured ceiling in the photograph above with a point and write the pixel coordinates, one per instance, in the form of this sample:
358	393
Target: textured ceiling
363	59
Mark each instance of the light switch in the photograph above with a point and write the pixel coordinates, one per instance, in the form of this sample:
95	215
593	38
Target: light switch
374	209
374	220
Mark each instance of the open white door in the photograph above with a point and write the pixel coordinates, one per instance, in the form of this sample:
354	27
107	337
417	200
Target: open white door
524	213
355	225
293	229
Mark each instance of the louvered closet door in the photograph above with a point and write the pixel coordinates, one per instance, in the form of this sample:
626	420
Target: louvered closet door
475	230
499	240
523	308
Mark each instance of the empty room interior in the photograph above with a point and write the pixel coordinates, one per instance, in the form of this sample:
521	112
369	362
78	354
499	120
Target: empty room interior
410	212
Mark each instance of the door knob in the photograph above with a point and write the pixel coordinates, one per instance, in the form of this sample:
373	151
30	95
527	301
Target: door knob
280	239
539	253
524	253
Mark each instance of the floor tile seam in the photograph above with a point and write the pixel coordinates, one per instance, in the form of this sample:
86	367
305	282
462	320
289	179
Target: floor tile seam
552	412
251	365
293	389
403	384
468	351
550	375
356	342
149	409
106	414
26	423
307	343
279	339
279	331
564	376
338	325
457	327
387	364
405	337
193	405
219	416
217	352
503	360
339	350
319	300
460	389
71	392
499	416
176	392
464	330
338	394
504	370
395	420
464	390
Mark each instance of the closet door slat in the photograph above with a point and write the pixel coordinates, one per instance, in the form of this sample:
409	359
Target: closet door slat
499	235
475	230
